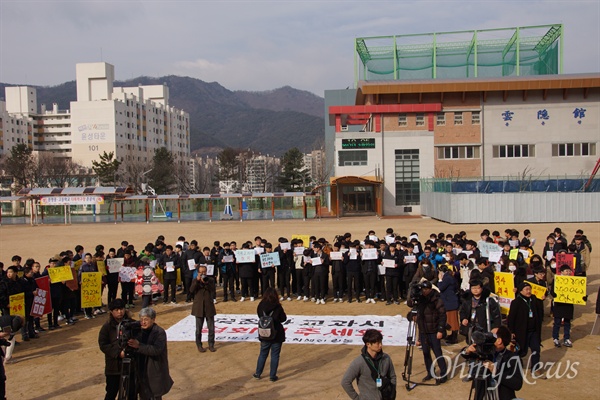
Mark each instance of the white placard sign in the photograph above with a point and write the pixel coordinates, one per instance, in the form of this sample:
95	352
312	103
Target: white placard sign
170	267
300	329
114	264
316	261
335	255
494	256
191	264
259	250
228	259
388	263
381	269
268	260
127	274
369	254
210	269
285	246
485	248
299	251
410	259
390	239
353	253
245	256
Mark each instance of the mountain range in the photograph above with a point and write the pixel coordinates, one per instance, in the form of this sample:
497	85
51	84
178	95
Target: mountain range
269	121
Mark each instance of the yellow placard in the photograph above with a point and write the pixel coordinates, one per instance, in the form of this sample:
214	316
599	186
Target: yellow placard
60	274
305	239
91	289
514	254
101	267
504	282
538	291
77	264
17	304
570	289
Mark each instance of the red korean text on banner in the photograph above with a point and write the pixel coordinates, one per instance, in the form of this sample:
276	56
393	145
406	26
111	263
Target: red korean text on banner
42	303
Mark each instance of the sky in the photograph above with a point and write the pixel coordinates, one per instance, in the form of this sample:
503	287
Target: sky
254	45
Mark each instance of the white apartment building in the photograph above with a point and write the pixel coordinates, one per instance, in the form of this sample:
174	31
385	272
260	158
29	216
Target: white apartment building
131	122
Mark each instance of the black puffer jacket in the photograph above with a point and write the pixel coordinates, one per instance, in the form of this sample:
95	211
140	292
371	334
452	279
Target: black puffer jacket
431	314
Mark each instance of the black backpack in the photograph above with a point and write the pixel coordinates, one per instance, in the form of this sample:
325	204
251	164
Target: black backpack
266	327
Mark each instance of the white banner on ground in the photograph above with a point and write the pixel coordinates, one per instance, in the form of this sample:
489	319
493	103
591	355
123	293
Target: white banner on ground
321	329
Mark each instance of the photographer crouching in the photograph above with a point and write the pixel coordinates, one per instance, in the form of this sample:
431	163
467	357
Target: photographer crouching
499	373
109	340
431	320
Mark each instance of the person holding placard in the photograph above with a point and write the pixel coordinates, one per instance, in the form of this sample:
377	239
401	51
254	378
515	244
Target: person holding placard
87	266
298	248
247	276
55	297
169	262
391	261
190	261
338	272
267	271
352	262
320	263
563	312
584	253
410	263
525	321
370	269
202	290
551	249
30	289
112	276
127	277
284	268
226	263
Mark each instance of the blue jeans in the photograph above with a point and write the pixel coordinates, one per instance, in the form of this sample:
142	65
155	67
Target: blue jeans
556	328
275	348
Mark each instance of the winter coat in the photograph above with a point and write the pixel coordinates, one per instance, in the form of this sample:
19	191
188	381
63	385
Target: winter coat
203	293
448	288
278	318
163	259
156	376
431	314
109	345
480	320
518	316
360	370
396	257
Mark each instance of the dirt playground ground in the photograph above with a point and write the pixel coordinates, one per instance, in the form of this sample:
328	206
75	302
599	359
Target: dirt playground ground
67	364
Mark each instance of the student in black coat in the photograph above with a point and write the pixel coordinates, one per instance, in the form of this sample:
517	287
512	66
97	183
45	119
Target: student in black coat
525	321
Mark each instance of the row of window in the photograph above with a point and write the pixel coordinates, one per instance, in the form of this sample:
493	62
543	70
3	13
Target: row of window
348	158
440	118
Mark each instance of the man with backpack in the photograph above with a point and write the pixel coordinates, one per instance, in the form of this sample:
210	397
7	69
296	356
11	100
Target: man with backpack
373	371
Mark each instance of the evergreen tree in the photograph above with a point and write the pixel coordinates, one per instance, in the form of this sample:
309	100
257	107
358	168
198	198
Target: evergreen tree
161	176
294	176
106	168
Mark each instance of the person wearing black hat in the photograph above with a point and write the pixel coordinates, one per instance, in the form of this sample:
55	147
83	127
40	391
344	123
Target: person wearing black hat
113	352
525	322
431	320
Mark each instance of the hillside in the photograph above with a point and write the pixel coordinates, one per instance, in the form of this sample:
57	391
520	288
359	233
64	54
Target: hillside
264	121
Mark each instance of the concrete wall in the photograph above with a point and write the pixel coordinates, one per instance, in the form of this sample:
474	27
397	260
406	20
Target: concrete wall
478	208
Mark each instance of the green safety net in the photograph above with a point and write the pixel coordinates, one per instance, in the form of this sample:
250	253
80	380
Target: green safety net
515	54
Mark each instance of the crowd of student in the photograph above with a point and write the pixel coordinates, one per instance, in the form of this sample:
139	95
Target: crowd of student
310	272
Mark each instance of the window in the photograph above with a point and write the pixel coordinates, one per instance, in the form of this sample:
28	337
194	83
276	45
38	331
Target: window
440	119
352	158
420	119
458	120
513	151
402	120
457	152
573	149
408	189
475	118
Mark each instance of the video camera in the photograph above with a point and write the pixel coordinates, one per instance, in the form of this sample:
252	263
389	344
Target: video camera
415	292
127	329
484	344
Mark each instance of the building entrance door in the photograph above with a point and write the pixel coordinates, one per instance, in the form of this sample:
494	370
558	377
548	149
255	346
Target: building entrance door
357	200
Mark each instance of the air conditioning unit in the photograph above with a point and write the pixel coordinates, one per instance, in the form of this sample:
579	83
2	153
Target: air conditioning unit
344	128
407	209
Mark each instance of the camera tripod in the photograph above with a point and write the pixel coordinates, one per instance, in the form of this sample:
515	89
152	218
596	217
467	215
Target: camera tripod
480	387
125	380
411	336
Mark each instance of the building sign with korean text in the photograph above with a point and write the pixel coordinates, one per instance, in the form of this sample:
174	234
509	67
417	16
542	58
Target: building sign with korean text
71	200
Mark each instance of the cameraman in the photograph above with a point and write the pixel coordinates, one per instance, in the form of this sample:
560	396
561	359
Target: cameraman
202	291
503	365
152	363
431	320
113	352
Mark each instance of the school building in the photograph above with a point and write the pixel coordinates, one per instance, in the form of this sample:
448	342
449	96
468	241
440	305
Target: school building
457	106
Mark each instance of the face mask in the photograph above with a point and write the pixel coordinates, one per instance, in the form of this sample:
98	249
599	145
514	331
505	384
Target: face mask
425	266
553	265
512	268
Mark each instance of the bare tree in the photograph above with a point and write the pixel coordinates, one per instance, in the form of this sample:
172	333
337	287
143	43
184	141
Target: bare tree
56	171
